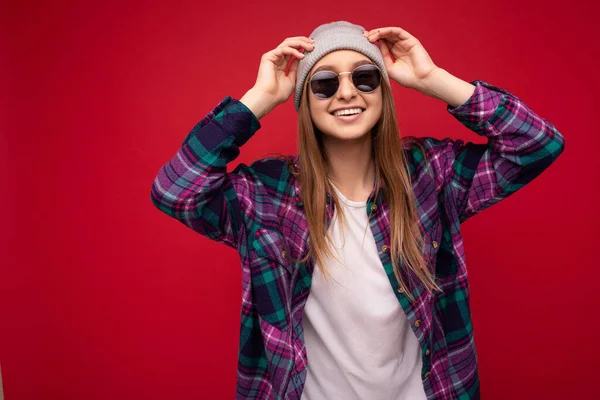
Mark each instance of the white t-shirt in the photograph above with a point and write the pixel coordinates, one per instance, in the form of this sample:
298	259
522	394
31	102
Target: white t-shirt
358	341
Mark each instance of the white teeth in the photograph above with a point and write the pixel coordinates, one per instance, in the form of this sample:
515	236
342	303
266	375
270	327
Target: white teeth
349	111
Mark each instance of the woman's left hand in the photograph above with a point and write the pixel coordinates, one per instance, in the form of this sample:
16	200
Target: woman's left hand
406	60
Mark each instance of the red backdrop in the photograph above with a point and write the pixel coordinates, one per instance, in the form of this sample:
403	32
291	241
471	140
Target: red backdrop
102	296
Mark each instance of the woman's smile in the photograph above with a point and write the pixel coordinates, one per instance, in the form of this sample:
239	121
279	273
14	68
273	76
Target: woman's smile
349	117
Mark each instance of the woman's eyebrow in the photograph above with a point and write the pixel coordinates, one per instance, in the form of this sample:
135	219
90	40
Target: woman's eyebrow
329	67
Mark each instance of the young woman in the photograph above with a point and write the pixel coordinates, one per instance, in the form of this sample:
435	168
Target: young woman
354	277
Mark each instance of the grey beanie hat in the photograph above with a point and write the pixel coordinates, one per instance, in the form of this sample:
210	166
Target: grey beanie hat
340	35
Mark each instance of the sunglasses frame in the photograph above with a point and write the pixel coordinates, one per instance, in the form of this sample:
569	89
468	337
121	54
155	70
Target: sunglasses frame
338	80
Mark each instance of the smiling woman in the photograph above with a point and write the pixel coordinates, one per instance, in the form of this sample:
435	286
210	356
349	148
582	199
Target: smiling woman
332	117
351	251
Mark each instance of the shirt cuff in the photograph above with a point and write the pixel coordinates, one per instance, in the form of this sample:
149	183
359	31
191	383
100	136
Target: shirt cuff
236	119
480	107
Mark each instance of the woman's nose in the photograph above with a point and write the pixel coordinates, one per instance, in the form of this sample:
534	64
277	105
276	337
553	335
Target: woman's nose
346	90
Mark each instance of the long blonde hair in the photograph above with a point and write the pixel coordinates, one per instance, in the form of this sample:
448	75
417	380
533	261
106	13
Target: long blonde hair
391	169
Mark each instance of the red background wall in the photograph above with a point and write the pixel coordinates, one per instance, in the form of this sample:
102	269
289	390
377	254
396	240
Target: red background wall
102	296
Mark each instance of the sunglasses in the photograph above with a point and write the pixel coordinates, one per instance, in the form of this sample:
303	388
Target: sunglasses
366	78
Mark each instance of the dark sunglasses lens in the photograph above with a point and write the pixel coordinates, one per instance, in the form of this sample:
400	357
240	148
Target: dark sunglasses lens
366	78
324	84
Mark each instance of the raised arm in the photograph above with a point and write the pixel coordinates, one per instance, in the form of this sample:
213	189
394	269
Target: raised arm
520	145
194	186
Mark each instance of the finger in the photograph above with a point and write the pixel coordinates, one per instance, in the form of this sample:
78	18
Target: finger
382	31
391	33
282	52
293	69
298	39
297	44
285	51
388	59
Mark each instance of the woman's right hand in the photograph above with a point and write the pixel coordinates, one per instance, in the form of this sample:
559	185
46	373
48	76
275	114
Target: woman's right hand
273	86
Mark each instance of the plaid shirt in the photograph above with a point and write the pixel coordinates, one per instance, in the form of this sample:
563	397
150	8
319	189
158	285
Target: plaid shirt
257	210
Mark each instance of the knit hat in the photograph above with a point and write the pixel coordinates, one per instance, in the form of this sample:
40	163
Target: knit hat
340	35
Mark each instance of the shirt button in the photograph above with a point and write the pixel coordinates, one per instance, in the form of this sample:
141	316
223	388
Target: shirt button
417	323
426	374
283	254
434	244
427	352
373	207
400	290
384	248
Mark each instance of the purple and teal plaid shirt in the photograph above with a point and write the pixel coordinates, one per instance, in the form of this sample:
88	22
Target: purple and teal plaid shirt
258	210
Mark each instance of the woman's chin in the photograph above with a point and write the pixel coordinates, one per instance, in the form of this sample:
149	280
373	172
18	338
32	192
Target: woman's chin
346	132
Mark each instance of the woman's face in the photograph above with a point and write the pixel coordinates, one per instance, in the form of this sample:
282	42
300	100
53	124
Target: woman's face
323	111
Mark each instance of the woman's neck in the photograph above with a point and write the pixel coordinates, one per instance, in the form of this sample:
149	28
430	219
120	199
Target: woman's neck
351	166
